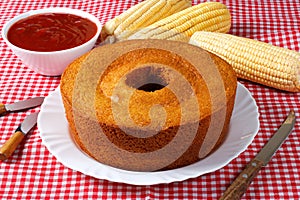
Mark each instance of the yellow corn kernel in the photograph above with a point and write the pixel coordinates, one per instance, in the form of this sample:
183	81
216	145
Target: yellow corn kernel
141	15
209	16
254	60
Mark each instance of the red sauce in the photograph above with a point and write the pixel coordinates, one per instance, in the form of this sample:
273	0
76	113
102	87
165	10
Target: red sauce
51	32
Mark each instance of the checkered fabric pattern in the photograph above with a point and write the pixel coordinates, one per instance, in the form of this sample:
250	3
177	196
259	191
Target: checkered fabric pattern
33	173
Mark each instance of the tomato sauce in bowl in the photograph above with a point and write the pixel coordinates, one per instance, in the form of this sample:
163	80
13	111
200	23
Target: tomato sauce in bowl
51	32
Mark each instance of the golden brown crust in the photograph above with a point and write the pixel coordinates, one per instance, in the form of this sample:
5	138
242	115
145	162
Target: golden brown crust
93	103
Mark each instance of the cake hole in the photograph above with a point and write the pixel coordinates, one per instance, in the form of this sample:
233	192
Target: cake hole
148	79
151	87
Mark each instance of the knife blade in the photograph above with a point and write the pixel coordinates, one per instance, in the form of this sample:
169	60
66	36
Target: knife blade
20	105
241	183
11	144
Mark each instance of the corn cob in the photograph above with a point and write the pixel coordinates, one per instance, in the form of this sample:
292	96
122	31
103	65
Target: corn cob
254	60
141	15
209	16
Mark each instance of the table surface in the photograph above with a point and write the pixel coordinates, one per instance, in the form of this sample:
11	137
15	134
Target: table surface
33	173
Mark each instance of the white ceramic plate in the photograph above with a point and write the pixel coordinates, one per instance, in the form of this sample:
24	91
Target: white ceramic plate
54	132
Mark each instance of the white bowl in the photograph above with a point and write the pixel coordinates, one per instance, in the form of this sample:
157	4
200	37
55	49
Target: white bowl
51	63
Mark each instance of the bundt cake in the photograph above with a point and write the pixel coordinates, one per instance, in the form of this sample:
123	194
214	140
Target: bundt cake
148	105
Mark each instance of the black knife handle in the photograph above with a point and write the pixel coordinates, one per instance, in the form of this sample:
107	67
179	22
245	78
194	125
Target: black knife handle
10	145
2	109
241	183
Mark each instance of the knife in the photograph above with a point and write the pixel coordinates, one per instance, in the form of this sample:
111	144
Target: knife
20	105
241	183
11	144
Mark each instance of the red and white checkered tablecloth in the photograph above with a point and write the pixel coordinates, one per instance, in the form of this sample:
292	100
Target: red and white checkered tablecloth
33	173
